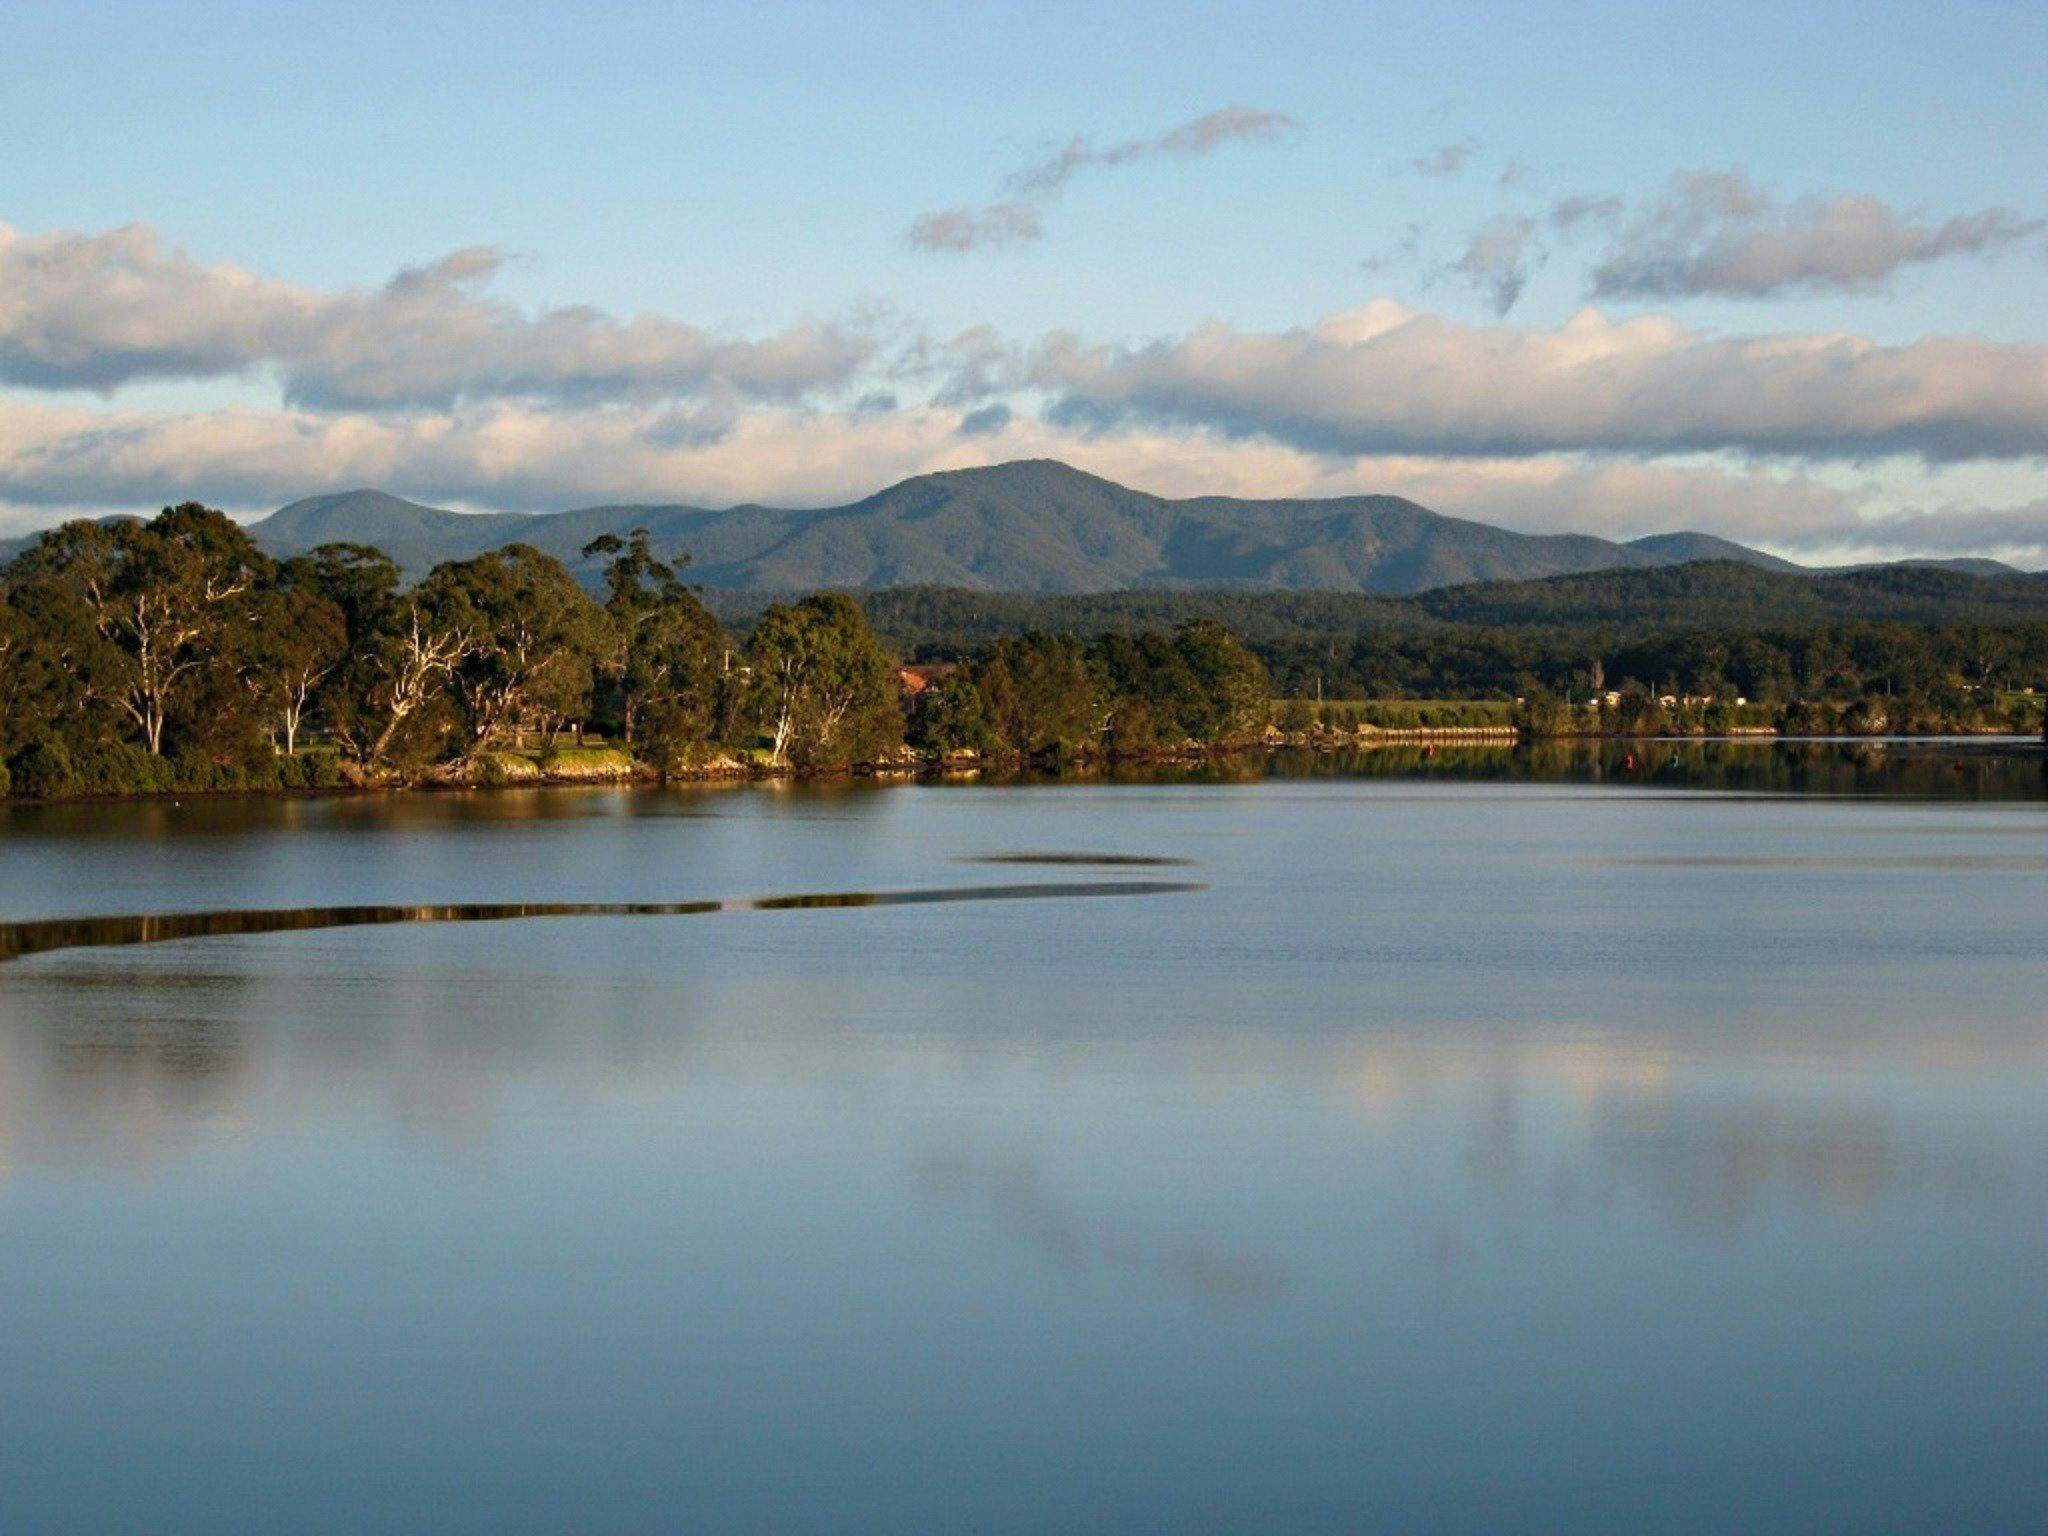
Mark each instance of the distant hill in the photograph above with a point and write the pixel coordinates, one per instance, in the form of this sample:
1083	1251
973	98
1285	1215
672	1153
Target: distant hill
1709	595
1684	548
1032	526
1714	594
1965	565
417	537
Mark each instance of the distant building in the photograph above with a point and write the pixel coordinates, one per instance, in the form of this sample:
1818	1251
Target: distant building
911	681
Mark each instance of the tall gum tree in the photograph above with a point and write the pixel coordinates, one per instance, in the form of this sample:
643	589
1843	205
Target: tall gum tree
666	654
164	594
828	689
534	633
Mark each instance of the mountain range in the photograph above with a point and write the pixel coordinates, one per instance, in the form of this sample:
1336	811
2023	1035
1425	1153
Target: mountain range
1031	526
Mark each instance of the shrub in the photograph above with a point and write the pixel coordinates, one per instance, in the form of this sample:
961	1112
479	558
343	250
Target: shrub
44	770
1296	715
314	770
117	768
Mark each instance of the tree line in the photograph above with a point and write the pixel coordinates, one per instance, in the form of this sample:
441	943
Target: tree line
1963	668
174	654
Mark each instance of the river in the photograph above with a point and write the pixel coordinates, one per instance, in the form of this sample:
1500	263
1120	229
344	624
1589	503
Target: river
1468	1142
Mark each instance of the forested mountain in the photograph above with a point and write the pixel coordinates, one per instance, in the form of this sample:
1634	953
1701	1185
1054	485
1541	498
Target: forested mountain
1025	527
1715	595
1725	594
1035	526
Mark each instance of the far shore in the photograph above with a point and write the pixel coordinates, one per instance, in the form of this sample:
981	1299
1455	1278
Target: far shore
598	766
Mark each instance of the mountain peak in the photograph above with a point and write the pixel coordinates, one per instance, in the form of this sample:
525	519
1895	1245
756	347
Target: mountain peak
1687	546
1042	475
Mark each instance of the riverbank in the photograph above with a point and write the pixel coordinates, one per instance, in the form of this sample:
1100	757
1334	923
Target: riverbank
593	766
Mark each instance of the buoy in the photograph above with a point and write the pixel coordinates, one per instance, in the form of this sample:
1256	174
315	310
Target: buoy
1628	764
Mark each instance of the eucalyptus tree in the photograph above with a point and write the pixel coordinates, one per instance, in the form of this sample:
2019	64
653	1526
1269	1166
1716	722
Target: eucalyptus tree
168	595
381	700
827	689
950	716
1229	696
667	657
534	637
58	673
1042	693
297	638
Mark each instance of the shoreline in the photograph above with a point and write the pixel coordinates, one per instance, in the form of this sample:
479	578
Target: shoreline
493	773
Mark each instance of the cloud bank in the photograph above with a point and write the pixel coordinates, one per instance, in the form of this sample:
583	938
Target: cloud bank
98	312
429	387
521	458
1386	379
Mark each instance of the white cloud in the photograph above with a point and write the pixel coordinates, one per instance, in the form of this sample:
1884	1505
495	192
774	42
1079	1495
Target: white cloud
100	311
1718	233
1417	383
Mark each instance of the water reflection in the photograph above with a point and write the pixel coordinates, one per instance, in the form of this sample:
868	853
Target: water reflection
1105	860
1715	1142
1012	1191
1463	1142
33	938
2015	771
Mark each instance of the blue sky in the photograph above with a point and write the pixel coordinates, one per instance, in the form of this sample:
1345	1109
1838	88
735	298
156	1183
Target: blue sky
745	170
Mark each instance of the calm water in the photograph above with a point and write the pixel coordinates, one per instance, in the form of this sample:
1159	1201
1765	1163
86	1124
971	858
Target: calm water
1461	1152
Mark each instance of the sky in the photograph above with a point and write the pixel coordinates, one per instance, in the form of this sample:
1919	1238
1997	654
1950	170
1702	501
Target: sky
1774	272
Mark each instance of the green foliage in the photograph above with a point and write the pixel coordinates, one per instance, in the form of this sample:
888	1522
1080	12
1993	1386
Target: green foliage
1196	685
825	690
1959	673
949	717
169	600
1415	714
315	769
492	770
1543	713
43	770
664	680
1294	715
1052	696
531	638
1041	696
170	656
